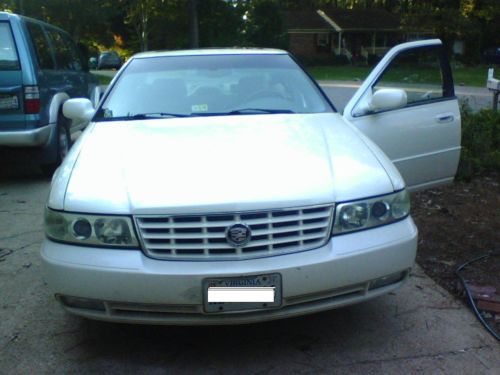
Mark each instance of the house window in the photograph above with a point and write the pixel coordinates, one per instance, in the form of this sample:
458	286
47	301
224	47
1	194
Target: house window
323	40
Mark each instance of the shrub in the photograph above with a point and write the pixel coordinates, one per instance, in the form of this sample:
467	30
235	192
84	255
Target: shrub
340	60
325	60
373	59
480	142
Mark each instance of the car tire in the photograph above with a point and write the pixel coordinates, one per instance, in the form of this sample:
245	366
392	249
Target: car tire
63	144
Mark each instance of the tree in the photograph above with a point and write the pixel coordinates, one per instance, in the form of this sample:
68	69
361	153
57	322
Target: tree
264	25
193	22
139	14
213	32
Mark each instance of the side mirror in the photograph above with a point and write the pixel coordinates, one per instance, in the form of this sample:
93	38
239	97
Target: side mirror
384	99
80	109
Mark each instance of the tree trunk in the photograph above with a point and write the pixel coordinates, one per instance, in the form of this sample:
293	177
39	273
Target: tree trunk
21	7
193	11
144	26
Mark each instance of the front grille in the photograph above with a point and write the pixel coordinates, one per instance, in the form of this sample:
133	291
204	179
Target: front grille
203	237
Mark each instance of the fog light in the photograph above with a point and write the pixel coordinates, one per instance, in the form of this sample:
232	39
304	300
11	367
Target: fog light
387	280
82	229
82	303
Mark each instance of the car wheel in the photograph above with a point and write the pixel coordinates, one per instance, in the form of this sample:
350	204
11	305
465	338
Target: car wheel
63	144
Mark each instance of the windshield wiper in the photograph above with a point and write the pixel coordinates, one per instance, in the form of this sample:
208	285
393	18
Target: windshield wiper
141	116
157	115
245	111
152	115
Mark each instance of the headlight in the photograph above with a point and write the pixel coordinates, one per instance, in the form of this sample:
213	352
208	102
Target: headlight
90	229
372	212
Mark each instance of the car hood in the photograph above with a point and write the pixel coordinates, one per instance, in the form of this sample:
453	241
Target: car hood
222	163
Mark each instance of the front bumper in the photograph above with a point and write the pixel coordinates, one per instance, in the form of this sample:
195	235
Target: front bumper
136	289
20	138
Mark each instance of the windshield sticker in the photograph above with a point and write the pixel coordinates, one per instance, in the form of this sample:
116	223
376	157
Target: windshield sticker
199	108
107	113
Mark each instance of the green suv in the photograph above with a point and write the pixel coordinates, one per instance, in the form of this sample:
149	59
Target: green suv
40	68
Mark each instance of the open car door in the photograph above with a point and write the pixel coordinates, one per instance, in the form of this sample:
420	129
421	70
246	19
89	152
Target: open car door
407	106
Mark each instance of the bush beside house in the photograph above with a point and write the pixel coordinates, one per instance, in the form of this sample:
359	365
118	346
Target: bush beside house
480	142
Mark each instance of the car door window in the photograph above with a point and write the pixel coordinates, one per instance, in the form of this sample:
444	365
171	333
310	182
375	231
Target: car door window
63	53
421	73
41	45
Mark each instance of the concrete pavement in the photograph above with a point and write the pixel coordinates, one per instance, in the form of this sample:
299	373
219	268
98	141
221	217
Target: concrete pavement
340	92
419	328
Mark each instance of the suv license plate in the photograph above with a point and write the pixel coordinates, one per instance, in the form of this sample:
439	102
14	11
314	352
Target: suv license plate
9	102
242	293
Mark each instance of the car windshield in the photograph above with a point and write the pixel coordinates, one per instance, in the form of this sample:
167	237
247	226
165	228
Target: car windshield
8	54
211	85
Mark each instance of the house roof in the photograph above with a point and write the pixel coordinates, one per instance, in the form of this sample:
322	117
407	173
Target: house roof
304	20
363	19
342	20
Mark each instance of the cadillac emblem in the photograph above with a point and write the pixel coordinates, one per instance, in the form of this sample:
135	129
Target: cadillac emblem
238	235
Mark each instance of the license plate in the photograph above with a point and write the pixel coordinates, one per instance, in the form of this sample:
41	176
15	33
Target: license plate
242	293
9	102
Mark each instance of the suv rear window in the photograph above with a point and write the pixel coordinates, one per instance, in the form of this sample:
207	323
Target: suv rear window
8	53
41	46
66	54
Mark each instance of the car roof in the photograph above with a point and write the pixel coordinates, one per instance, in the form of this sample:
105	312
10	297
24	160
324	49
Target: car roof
211	51
4	16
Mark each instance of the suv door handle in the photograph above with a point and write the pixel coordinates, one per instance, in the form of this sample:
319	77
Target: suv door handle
445	118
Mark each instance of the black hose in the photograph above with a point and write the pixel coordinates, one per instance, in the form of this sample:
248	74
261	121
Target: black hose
469	294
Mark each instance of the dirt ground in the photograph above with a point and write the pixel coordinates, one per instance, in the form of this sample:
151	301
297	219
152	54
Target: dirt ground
458	223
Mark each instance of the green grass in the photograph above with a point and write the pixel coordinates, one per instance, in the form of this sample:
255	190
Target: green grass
466	76
339	73
472	76
103	80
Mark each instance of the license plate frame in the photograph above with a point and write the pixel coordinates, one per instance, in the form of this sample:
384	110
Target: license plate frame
241	282
9	102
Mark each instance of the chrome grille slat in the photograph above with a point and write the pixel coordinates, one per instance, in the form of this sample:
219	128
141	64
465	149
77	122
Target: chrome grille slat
226	223
227	246
203	237
207	235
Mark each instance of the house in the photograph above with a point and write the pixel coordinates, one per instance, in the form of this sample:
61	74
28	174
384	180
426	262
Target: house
353	33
